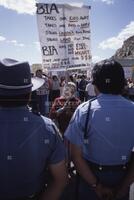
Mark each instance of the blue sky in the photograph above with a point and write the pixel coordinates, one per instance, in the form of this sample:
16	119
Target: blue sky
112	21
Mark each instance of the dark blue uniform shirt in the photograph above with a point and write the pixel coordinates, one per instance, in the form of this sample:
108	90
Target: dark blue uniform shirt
111	135
27	144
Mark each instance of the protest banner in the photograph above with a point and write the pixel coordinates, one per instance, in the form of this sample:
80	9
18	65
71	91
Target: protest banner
64	33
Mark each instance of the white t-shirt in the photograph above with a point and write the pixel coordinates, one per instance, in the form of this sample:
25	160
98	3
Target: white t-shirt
90	89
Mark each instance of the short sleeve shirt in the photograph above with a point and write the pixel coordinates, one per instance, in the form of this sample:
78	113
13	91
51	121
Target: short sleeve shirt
111	134
28	144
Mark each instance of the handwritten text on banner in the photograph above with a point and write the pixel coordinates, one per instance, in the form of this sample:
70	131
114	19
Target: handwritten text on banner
64	33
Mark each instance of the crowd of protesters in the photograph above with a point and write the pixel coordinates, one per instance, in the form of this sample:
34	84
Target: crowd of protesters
54	86
44	97
93	119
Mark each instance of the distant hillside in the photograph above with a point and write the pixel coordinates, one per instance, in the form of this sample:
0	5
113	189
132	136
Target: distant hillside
127	49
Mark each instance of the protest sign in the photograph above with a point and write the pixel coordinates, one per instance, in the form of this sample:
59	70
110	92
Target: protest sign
64	33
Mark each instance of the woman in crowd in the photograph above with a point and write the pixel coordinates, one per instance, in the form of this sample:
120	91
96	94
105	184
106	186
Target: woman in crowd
64	106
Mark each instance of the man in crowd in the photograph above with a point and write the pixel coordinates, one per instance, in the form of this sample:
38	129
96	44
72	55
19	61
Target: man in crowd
29	143
102	153
90	91
82	87
55	88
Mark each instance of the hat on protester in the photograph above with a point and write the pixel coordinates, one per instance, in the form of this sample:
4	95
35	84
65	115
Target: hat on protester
15	78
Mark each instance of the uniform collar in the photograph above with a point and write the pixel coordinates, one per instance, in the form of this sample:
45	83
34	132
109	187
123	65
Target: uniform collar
14	108
109	96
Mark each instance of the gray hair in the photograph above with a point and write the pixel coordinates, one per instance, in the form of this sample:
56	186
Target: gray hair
72	86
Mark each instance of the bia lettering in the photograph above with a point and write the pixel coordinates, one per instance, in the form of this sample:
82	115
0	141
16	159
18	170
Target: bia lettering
49	50
46	8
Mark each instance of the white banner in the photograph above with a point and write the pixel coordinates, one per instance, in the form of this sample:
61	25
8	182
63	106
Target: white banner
64	33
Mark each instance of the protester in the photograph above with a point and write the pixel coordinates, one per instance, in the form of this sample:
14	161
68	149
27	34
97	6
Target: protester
42	94
90	91
33	103
130	89
82	87
55	88
64	106
101	137
29	143
62	84
72	79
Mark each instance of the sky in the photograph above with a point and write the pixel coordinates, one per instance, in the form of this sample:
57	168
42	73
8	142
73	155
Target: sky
112	22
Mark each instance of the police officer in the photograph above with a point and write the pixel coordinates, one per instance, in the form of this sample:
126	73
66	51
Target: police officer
103	156
29	143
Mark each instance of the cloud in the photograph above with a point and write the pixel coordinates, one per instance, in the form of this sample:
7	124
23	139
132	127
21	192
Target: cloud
109	2
117	41
77	4
37	45
96	59
15	43
2	38
20	6
29	6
